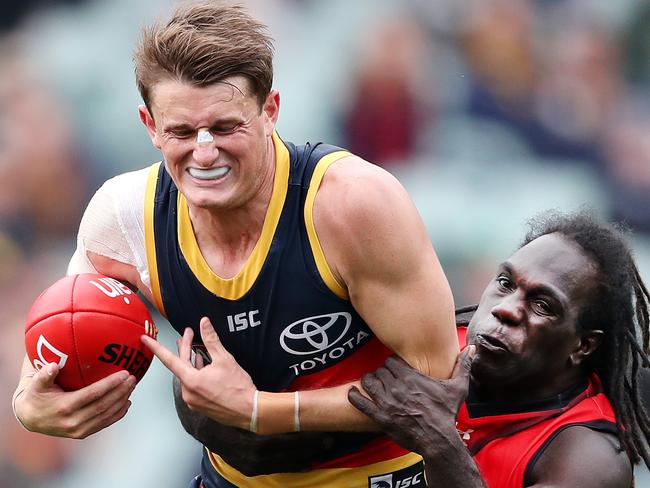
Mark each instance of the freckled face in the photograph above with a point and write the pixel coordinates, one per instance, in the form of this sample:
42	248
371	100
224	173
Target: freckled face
525	324
224	171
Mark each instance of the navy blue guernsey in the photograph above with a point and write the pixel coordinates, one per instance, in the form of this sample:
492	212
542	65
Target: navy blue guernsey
257	328
284	317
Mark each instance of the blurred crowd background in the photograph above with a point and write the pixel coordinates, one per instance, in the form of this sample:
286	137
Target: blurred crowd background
488	111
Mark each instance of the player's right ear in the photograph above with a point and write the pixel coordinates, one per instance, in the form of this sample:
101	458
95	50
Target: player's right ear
150	125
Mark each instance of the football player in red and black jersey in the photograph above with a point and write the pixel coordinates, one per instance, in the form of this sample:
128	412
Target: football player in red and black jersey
548	392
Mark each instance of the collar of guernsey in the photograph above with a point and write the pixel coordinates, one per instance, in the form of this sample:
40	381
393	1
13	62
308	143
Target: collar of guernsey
235	287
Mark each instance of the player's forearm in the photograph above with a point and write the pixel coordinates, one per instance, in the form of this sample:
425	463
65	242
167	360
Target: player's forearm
450	464
254	454
313	410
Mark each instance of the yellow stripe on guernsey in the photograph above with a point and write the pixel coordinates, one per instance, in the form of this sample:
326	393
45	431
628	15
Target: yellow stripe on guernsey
237	286
150	243
321	263
322	478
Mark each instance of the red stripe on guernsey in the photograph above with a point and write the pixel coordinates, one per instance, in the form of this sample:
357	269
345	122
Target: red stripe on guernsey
376	451
486	429
462	336
367	358
518	449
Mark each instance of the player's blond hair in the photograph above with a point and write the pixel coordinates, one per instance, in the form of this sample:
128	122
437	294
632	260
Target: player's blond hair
203	43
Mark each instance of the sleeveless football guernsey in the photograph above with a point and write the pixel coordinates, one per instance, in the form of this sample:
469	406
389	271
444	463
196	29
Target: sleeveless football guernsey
284	317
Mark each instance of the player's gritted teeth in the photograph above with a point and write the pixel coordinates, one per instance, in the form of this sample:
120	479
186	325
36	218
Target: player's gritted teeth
491	344
210	173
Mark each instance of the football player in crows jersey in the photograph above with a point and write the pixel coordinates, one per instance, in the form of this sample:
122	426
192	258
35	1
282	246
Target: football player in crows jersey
558	340
293	261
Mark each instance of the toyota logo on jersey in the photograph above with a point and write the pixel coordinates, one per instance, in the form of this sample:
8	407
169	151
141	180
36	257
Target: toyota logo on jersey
315	334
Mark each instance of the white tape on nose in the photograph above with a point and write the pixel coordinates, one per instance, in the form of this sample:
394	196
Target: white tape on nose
204	137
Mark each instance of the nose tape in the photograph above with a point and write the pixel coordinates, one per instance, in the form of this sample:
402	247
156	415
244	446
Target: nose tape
204	137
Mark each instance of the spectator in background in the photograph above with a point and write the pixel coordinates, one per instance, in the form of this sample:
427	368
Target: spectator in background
578	89
627	147
38	149
389	98
496	40
636	45
548	74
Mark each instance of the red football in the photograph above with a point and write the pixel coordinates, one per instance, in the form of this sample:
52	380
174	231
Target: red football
90	325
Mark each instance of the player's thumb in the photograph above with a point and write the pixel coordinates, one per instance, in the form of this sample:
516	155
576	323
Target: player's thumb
210	338
45	377
464	363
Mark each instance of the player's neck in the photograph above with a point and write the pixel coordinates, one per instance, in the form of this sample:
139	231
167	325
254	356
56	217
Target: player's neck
528	390
227	237
229	228
479	406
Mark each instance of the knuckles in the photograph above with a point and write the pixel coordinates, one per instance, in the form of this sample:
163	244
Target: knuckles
72	429
64	411
395	392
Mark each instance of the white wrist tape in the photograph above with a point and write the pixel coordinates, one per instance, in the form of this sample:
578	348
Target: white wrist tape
296	411
253	425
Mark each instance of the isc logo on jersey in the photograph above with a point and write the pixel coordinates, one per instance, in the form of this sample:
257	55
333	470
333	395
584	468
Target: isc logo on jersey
411	476
386	481
323	338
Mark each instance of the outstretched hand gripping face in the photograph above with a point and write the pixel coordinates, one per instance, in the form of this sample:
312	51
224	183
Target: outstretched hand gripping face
90	325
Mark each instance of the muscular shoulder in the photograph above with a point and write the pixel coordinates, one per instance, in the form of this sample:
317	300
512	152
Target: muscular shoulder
582	457
361	211
354	191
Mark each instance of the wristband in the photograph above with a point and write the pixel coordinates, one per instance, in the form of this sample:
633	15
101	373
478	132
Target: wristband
15	397
253	424
296	411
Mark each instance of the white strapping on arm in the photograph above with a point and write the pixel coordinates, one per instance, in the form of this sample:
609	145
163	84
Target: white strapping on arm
113	225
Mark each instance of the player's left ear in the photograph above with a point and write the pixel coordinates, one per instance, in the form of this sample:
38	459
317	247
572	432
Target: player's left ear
271	110
589	342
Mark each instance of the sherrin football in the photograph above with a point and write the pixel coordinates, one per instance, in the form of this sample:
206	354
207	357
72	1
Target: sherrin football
90	325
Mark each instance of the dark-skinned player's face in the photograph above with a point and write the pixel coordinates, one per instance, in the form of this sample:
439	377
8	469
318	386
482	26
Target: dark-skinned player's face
525	326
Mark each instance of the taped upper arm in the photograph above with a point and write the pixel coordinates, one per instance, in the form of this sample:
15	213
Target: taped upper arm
111	233
100	231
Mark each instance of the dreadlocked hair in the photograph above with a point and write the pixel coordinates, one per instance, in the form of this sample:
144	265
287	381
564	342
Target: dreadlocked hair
619	307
